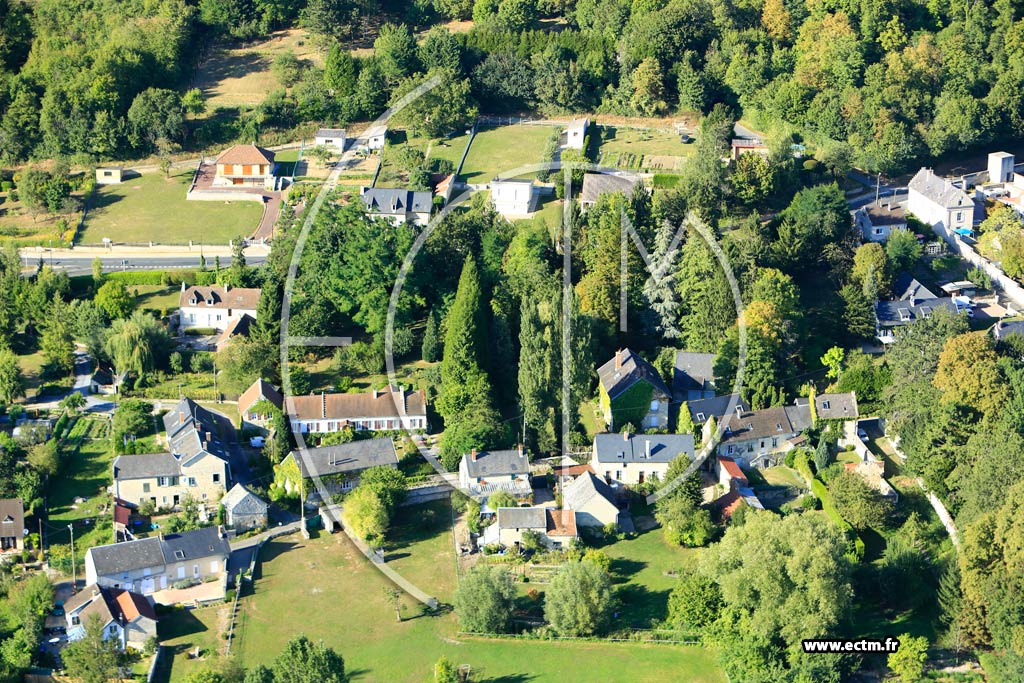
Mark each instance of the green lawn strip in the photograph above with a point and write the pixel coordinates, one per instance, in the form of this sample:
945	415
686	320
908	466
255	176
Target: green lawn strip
181	632
643	569
500	150
155	298
420	548
326	589
86	472
153	208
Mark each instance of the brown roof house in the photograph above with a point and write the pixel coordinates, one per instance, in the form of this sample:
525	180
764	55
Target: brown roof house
217	307
12	524
379	410
249	403
632	391
127	617
245	166
554	528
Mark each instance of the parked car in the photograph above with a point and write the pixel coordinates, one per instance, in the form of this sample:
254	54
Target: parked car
862	434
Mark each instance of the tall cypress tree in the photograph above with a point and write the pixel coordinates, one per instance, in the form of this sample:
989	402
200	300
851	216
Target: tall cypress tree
463	343
538	377
431	344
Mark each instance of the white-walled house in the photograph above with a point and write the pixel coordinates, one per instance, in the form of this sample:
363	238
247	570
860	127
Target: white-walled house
877	221
379	410
149	565
513	197
592	500
331	138
127	617
485	472
941	203
575	134
215	307
633	459
398	206
375	137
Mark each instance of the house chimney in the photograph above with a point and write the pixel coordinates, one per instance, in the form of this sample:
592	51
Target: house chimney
323	406
160	535
625	436
182	286
209	437
226	287
618	359
521	450
739	411
472	454
375	393
220	531
647	448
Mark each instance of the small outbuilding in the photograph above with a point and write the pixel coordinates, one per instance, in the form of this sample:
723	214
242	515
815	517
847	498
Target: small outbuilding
243	509
109	175
331	138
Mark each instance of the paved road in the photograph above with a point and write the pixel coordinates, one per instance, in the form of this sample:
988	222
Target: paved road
83	265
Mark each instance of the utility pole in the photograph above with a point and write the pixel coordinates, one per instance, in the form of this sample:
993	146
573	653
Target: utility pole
878	186
74	576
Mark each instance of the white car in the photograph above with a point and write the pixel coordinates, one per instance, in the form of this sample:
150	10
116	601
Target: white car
256	442
862	434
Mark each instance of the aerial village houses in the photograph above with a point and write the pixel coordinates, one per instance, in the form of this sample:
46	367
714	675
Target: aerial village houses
632	459
215	307
482	473
250	401
380	410
693	376
877	221
245	166
153	564
375	137
554	528
941	203
338	467
127	617
398	206
761	438
592	500
197	464
12	525
631	389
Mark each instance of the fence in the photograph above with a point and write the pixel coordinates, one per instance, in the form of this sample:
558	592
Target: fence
1000	280
153	665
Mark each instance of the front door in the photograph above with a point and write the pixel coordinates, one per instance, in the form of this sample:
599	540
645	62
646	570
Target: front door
237	181
148	585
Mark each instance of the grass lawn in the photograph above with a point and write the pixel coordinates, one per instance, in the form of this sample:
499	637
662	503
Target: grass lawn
783	476
420	548
182	631
640	571
592	419
324	377
646	149
153	208
449	149
155	298
339	597
31	367
500	150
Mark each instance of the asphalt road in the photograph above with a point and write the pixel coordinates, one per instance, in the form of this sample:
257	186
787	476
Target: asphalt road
83	266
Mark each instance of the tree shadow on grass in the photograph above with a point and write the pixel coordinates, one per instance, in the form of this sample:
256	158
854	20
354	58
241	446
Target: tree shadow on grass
622	568
640	606
510	678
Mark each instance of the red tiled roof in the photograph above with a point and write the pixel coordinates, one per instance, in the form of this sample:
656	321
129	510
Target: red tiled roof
246	154
121	514
561	523
572	470
730	466
351	406
728	504
132	605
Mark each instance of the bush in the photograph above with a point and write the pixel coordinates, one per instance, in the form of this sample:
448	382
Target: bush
790	459
6	186
200	331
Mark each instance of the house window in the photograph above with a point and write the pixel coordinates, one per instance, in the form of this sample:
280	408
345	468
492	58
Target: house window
959	216
700	417
655	404
191	481
878	231
618	474
145	487
825	405
195	570
216	478
775	442
113	629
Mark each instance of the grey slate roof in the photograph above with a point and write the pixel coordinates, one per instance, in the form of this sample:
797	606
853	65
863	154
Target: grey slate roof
1002	329
146	466
522	518
497	463
330	133
391	201
192	429
907	288
120	558
12	517
630	448
354	456
631	369
241	500
597	184
836	406
585	488
896	313
760	424
713	407
693	372
939	190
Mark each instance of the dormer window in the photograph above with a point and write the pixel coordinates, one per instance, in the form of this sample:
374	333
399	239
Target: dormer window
778	426
825	405
700	417
209	301
193	301
904	314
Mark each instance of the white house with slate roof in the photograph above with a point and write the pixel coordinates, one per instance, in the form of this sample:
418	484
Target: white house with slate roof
378	410
166	480
340	466
331	138
154	564
633	459
555	528
243	509
398	206
485	472
592	500
941	203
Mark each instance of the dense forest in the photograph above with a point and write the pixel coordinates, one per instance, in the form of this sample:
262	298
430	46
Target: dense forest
878	83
